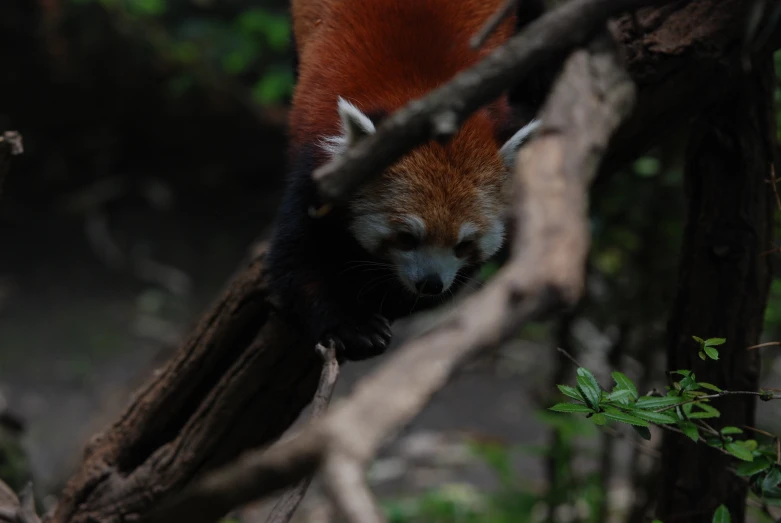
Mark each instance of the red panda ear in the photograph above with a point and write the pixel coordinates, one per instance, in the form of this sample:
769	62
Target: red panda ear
355	124
509	150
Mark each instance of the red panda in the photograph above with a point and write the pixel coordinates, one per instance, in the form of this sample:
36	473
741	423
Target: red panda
413	235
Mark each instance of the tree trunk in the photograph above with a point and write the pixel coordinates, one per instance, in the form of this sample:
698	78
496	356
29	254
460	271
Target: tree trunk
723	287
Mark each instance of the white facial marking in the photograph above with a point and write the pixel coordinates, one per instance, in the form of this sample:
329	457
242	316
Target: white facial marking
370	230
416	264
509	150
355	125
417	227
467	230
492	240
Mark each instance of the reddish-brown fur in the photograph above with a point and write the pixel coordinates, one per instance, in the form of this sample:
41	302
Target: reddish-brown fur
379	55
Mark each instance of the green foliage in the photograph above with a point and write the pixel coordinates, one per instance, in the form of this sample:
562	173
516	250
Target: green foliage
686	403
707	347
248	51
722	515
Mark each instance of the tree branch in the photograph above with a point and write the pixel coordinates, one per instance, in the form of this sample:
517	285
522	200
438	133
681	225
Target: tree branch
286	506
545	272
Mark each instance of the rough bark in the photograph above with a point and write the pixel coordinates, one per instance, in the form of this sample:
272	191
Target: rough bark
683	56
723	285
243	376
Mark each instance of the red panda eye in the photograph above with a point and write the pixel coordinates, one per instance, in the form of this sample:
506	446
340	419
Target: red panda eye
406	241
464	248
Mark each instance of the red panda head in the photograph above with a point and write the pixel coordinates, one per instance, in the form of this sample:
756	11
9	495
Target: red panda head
438	209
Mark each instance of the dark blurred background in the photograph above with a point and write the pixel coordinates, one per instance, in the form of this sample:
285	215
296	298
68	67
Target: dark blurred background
154	135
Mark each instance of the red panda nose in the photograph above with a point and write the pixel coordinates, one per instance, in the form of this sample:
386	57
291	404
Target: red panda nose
430	285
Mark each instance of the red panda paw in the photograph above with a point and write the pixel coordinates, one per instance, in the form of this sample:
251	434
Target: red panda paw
362	338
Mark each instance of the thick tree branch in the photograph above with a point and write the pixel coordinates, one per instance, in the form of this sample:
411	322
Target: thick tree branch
546	272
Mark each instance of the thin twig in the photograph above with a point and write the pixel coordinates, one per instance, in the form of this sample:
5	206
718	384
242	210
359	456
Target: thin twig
288	503
495	21
569	356
768	344
764	396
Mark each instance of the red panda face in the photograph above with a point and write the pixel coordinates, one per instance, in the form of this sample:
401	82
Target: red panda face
437	210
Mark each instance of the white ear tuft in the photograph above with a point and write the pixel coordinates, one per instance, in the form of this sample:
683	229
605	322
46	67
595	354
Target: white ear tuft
509	150
355	125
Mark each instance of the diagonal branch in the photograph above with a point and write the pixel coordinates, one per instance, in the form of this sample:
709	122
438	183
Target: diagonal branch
592	97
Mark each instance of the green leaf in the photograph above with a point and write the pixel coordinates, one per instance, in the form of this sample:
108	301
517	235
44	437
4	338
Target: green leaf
706	412
709	386
654	402
772	479
702	356
588	385
689	383
655	417
572	392
599	419
690	429
621	395
711	352
682	372
722	515
750	468
617	415
731	430
739	451
712	342
625	383
644	432
698	339
570	407
647	166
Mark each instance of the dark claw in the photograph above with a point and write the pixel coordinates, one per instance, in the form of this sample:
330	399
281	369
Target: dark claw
363	338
